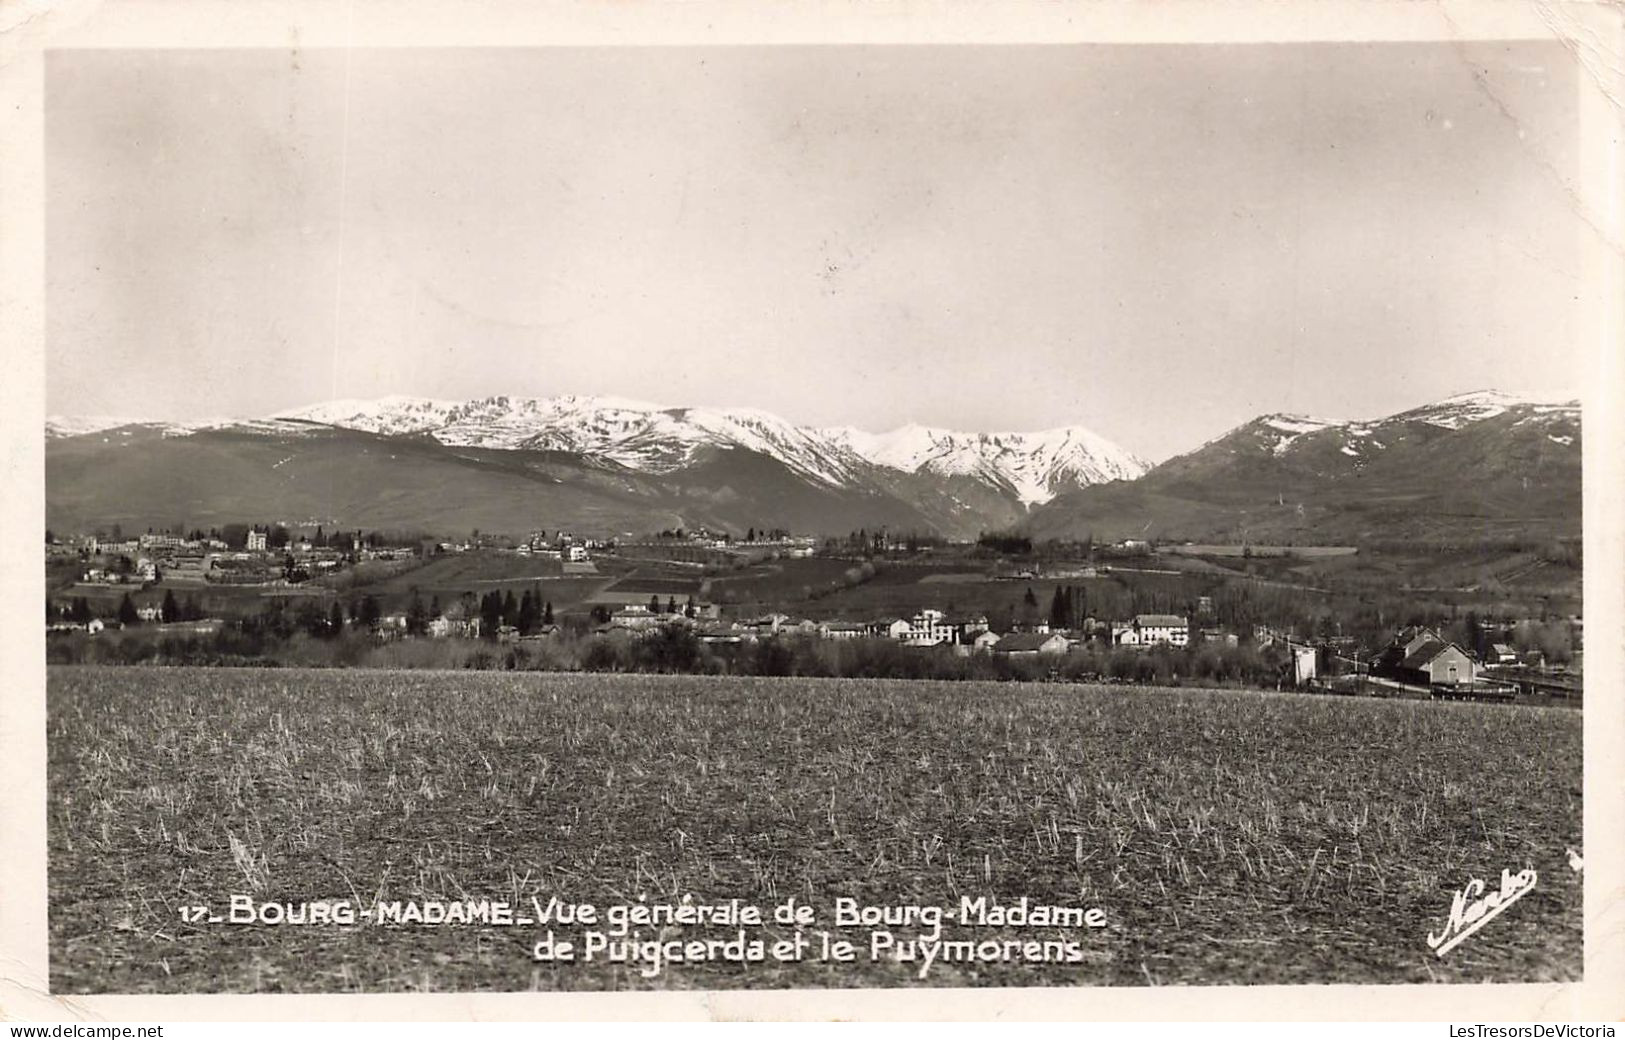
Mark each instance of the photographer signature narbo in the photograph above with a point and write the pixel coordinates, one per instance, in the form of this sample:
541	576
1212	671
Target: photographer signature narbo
1473	908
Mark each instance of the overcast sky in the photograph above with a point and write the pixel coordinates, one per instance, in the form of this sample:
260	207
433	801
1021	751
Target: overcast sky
1157	242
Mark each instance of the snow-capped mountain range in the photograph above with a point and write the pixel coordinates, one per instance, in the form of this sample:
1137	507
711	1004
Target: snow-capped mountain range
651	438
1029	468
501	463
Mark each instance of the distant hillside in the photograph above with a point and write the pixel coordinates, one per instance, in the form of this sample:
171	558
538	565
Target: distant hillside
141	477
1471	466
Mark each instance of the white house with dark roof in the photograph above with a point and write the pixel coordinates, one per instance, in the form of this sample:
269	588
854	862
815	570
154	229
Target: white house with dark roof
1152	629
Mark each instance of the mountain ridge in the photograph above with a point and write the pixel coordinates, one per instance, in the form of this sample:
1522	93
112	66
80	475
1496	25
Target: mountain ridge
1475	461
657	439
1470	465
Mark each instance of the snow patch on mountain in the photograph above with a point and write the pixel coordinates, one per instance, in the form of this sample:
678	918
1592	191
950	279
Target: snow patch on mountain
1293	427
1453	413
1281	434
80	425
59	426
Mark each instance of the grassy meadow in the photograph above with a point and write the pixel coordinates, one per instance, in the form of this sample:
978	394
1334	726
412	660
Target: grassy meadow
1230	837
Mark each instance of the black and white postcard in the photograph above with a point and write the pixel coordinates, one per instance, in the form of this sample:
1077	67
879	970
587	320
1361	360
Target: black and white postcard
603	501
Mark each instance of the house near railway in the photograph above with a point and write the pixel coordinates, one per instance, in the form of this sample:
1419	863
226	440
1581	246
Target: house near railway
1420	656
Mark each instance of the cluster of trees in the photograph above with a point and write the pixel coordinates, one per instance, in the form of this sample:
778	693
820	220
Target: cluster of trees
601	614
1005	543
79	611
297	631
525	613
753	534
767	534
850	578
1071	604
282	618
1554	639
864	542
1068	607
676	650
76	611
278	536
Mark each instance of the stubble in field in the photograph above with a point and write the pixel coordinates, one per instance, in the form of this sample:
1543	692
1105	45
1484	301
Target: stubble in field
1229	837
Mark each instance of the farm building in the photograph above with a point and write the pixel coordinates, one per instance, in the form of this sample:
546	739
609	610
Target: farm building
895	628
984	642
1031	644
843	630
1419	655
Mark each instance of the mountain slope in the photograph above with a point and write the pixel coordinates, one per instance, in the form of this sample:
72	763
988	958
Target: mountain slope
1468	466
704	464
143	477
